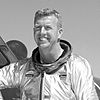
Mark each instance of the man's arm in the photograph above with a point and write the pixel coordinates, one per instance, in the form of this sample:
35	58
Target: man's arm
82	80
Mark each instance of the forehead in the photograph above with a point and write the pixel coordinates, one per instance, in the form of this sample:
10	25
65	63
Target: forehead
47	20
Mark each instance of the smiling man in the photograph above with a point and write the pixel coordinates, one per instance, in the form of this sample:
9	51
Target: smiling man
53	72
64	75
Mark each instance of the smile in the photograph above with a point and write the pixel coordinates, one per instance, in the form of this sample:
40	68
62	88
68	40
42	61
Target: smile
43	38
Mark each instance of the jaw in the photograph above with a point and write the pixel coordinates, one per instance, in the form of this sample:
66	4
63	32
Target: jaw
44	45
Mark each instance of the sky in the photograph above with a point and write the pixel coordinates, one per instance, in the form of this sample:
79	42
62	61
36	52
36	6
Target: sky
81	25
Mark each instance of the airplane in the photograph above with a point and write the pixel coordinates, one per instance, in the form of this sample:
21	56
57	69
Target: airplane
6	55
12	51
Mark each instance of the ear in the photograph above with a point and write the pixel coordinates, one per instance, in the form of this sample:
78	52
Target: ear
60	32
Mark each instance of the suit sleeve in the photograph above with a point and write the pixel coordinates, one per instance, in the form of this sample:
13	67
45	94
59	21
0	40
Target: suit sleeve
9	76
82	80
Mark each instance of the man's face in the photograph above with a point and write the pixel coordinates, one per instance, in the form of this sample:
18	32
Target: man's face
46	31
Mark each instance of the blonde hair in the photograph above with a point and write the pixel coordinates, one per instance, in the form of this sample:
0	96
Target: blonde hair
48	12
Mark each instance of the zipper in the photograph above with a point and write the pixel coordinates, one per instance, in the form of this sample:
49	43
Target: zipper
41	85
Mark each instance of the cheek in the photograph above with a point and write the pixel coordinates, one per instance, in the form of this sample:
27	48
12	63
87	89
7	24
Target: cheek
36	34
35	37
55	34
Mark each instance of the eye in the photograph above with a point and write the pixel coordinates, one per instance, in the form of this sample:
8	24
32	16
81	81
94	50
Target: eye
48	27
37	28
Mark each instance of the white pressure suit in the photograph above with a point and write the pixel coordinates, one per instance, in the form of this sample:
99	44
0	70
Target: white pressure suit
68	78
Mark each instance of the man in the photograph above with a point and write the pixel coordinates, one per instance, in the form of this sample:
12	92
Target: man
53	72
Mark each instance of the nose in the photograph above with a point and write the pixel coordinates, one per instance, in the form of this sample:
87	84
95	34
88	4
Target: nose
43	31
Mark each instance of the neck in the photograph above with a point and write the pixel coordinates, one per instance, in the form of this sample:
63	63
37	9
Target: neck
49	55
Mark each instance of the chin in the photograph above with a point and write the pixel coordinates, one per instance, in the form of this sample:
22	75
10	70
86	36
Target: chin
44	45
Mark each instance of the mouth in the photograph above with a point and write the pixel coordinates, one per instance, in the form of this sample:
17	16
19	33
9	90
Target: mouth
43	41
43	38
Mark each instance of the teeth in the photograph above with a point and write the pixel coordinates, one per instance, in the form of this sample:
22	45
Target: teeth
42	38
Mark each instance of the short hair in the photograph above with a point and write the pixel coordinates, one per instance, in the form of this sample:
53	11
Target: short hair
48	12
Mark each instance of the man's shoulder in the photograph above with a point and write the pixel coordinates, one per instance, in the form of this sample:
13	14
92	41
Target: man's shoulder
21	64
76	57
79	63
23	61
